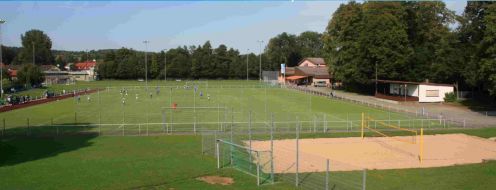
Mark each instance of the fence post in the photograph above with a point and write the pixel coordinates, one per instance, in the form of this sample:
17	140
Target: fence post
27	132
123	129
297	150
272	147
139	129
217	153
99	122
75	118
3	131
463	123
258	168
364	179
249	135
327	175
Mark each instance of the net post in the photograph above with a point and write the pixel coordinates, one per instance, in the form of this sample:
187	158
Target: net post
327	175
363	120
421	145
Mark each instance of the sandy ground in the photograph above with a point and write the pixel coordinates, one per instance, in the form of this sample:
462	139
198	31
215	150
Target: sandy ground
354	153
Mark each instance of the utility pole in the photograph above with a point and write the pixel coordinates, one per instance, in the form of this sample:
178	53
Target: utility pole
146	64
247	54
260	62
1	61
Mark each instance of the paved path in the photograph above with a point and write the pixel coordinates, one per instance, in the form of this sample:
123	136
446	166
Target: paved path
449	111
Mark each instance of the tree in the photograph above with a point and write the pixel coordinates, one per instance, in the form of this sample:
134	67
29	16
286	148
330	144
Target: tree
283	49
42	45
310	44
30	75
477	34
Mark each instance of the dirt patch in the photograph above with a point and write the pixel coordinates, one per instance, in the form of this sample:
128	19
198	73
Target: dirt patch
214	180
492	138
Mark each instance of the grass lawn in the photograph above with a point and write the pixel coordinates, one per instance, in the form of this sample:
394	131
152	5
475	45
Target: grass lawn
163	162
174	161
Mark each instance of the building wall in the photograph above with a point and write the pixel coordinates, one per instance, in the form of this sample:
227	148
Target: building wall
398	89
307	63
426	92
327	81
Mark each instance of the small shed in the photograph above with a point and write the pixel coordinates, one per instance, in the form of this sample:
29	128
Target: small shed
412	91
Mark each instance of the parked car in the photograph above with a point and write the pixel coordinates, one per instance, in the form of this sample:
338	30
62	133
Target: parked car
320	84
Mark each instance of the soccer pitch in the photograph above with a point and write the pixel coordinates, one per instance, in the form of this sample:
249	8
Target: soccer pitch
128	108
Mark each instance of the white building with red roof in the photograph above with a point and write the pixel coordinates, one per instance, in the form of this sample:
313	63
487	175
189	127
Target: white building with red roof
85	71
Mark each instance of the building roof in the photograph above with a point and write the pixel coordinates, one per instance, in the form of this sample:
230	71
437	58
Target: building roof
85	65
411	82
13	73
295	77
315	60
317	72
49	68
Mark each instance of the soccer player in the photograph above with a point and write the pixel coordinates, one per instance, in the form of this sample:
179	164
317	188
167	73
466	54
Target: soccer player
136	96
208	97
89	98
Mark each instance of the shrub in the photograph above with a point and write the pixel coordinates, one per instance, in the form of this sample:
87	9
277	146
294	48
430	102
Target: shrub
450	97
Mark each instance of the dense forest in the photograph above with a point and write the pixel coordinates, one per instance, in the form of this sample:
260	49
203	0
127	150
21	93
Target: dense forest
413	41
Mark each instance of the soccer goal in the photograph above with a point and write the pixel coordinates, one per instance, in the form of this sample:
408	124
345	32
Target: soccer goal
410	137
257	163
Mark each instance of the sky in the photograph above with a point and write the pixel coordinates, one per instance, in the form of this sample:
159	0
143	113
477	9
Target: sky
91	25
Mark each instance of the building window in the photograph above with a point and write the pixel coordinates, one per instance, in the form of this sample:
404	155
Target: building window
432	93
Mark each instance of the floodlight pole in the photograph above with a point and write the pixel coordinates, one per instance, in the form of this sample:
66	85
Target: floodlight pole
165	65
247	54
376	78
260	61
1	61
34	58
146	64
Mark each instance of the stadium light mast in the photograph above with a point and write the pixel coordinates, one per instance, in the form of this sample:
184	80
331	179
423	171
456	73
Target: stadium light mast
165	65
260	61
1	61
247	54
146	64
34	58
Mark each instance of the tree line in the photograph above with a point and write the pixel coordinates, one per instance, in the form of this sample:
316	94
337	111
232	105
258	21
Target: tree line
414	41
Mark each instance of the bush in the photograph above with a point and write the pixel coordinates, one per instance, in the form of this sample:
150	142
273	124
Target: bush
450	97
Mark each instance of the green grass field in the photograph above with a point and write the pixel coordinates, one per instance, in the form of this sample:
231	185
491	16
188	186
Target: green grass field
174	161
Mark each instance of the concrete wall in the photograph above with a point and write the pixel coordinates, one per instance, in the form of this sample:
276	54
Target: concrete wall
441	89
